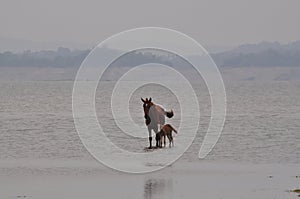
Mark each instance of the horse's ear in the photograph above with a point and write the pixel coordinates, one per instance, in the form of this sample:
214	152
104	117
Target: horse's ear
143	100
150	99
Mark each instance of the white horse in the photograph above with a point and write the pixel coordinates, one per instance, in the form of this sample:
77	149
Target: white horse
154	116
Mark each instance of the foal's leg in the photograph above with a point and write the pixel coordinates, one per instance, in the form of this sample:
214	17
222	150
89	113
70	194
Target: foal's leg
170	139
158	142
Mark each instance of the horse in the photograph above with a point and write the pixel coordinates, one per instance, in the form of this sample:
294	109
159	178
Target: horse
154	116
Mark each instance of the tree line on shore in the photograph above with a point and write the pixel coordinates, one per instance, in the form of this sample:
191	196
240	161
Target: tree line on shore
265	54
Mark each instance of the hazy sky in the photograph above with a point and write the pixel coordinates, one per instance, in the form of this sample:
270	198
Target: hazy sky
210	22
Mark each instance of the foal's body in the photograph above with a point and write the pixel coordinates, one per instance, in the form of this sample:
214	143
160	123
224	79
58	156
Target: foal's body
166	131
154	117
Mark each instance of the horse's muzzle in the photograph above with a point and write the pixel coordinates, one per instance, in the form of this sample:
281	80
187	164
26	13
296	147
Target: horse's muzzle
147	118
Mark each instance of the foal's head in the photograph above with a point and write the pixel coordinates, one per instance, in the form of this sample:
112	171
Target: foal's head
147	104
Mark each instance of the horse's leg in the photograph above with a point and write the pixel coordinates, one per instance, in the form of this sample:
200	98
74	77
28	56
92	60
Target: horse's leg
157	138
161	140
150	138
155	129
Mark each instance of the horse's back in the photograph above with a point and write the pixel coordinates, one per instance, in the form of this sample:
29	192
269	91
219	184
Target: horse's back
157	115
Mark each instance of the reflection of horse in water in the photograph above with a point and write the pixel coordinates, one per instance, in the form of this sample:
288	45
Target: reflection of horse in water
154	116
158	188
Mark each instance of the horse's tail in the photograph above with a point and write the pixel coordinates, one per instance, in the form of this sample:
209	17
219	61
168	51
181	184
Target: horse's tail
172	128
169	114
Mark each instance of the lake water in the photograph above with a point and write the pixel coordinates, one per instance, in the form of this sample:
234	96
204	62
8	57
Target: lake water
38	135
262	123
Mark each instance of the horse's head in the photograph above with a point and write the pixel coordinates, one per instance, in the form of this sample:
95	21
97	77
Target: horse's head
147	105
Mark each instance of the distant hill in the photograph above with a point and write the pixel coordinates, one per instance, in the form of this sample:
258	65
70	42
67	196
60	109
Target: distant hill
63	57
265	54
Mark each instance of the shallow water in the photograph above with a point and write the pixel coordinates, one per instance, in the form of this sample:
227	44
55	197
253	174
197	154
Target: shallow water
257	156
262	123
